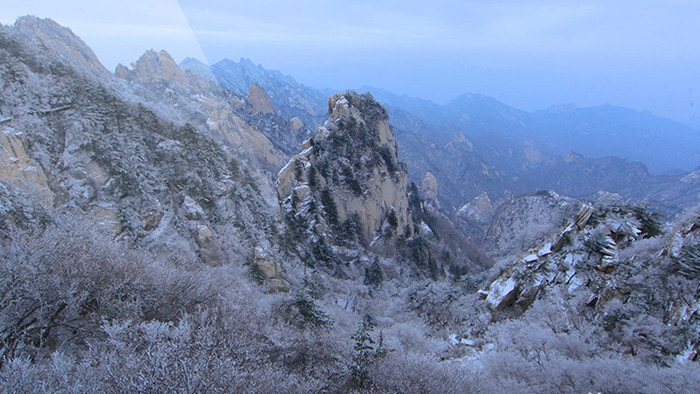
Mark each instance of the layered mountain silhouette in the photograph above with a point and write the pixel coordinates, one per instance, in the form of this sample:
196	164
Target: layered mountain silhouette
172	228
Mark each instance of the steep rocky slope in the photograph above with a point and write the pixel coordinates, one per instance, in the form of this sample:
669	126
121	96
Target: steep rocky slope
156	81
614	268
141	236
347	191
290	98
348	177
285	111
143	154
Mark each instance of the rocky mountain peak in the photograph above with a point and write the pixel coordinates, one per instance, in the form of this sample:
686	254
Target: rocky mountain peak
59	43
197	68
153	66
351	109
347	181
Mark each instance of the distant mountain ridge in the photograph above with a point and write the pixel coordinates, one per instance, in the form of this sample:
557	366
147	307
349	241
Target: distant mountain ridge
478	144
289	97
473	144
663	145
152	240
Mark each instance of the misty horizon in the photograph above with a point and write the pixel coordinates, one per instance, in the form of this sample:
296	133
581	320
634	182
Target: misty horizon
529	56
192	224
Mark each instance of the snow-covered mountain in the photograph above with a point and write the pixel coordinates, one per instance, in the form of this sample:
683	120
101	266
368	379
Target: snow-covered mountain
186	228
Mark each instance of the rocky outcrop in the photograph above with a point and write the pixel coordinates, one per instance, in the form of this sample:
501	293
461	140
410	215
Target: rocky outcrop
347	181
259	101
683	245
19	169
134	153
270	269
479	210
430	189
609	265
296	125
153	66
580	255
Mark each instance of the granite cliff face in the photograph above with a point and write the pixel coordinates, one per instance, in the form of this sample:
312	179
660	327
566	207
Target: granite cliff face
19	169
259	101
186	97
348	175
155	157
346	197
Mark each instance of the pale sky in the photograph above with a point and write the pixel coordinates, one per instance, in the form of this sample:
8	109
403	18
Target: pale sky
118	31
530	54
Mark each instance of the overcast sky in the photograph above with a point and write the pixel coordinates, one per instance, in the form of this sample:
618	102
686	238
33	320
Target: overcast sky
530	54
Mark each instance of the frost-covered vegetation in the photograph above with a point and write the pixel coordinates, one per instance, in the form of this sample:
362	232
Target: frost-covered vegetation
142	250
83	313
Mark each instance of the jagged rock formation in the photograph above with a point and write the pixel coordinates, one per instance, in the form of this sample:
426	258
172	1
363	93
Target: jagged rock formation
175	171
609	261
120	149
346	196
258	99
283	110
348	177
154	66
187	98
430	189
288	97
576	256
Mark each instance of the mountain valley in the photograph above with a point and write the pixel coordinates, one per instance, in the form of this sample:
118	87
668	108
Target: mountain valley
187	228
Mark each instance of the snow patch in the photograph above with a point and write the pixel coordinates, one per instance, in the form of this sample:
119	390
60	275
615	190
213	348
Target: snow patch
546	249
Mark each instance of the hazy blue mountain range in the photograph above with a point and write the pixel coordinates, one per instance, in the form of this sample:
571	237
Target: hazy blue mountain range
663	145
289	97
494	128
162	231
477	144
